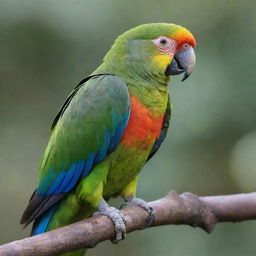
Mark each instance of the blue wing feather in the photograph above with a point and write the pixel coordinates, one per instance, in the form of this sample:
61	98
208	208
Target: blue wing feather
88	164
68	176
76	176
56	184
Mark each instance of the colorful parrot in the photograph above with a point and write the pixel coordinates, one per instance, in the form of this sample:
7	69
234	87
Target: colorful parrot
110	125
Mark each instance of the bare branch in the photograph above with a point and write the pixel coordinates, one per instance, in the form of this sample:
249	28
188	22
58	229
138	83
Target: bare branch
187	208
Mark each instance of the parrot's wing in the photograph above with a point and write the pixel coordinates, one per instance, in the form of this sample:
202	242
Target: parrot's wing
164	130
88	127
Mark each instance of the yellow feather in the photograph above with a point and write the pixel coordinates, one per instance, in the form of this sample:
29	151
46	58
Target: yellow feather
162	60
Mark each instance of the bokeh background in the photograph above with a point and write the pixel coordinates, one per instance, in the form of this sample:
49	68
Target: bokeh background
47	46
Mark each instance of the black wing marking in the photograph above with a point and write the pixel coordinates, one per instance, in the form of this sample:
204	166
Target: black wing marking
38	204
164	130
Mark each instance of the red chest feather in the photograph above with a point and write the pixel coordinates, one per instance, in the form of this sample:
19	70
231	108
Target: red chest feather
143	125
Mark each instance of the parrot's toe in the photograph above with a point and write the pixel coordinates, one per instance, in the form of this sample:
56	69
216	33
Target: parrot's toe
117	217
145	205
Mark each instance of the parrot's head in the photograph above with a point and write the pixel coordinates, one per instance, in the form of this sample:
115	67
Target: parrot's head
154	50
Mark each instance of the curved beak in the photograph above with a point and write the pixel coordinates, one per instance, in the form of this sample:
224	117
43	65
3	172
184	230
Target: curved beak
182	62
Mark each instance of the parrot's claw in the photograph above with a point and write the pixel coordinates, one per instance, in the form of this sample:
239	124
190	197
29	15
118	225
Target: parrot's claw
145	205
116	216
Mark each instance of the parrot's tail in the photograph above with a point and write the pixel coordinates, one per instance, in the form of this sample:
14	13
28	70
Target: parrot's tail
50	220
40	225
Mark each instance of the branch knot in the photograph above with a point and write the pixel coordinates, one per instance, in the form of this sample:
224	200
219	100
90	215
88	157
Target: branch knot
198	213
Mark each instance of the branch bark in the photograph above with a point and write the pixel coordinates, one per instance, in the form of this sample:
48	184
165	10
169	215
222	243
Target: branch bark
186	208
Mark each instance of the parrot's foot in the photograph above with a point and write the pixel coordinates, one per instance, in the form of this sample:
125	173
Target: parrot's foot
116	216
134	201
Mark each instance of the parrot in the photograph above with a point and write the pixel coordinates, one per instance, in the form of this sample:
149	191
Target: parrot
108	128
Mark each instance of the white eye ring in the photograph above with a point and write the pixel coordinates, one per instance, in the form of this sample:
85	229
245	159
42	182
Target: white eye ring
165	44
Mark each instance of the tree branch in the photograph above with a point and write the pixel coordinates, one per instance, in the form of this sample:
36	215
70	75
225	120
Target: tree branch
187	208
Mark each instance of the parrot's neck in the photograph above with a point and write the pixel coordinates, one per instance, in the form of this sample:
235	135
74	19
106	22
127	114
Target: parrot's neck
151	90
134	71
153	96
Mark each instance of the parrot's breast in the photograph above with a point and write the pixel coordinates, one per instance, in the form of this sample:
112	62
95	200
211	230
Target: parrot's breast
143	128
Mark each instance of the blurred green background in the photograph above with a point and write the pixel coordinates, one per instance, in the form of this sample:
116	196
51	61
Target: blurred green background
47	47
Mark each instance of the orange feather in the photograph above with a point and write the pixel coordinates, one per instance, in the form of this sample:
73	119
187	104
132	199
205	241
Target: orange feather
143	126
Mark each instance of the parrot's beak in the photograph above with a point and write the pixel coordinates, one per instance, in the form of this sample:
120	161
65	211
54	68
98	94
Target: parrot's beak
182	62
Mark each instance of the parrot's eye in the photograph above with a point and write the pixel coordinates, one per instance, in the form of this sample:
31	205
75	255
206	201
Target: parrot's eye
163	41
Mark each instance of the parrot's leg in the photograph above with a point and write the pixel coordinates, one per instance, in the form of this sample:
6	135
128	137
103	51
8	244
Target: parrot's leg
134	201
129	193
116	216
